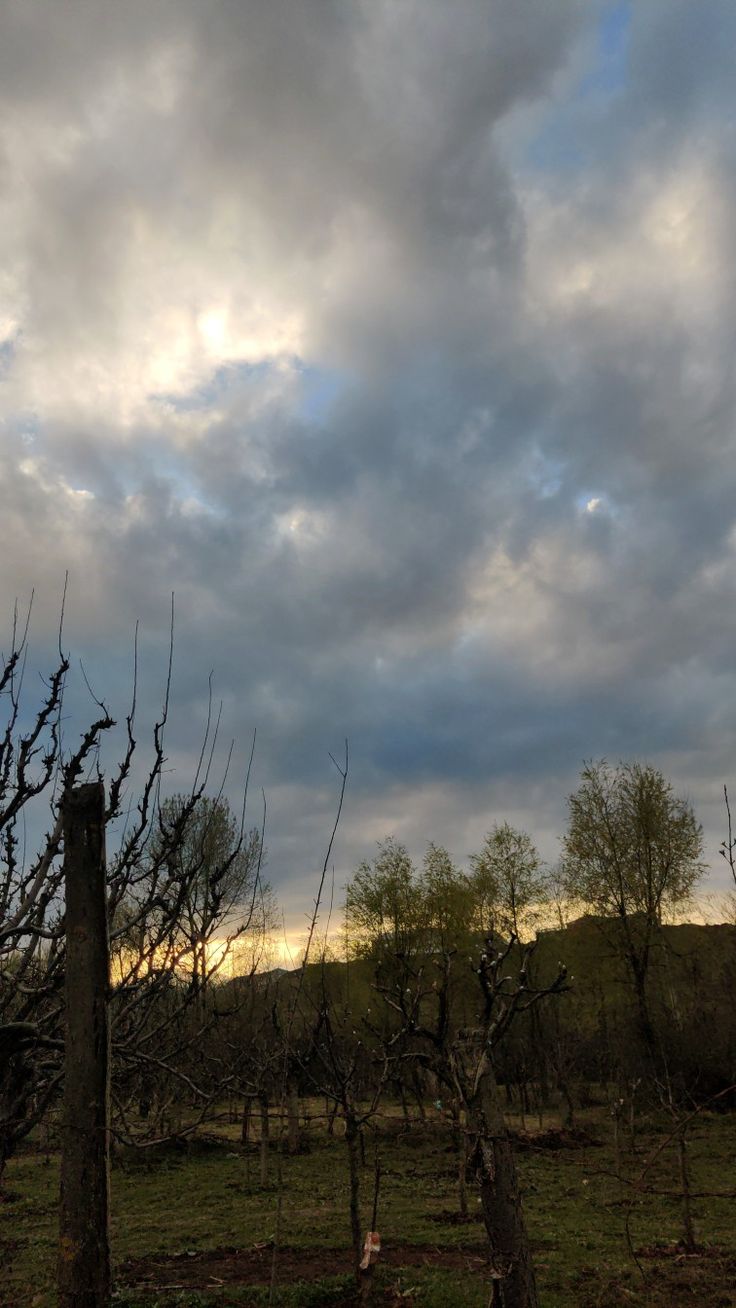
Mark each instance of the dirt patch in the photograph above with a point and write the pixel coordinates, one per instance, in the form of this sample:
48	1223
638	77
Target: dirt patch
667	1277
191	1270
451	1217
555	1138
680	1254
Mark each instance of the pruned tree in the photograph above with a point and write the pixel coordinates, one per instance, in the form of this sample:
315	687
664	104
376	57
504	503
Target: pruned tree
463	1060
420	976
148	886
348	1068
399	917
507	993
33	768
423	1003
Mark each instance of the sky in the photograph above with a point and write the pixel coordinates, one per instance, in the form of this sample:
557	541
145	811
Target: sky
396	338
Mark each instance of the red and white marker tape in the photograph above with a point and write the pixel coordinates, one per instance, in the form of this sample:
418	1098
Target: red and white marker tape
371	1248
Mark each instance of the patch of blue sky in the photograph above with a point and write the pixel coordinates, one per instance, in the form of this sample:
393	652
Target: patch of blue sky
7	354
545	474
611	68
183	482
227	377
24	426
557	146
315	393
319	389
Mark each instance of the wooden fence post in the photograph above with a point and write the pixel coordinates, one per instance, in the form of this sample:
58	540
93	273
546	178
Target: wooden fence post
84	1246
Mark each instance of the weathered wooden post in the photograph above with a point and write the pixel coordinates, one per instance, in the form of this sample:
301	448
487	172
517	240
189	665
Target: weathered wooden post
84	1246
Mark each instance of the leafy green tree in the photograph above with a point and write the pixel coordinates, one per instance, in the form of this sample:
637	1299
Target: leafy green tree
445	901
632	853
382	911
508	882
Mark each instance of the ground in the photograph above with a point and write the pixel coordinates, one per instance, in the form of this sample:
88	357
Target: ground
193	1227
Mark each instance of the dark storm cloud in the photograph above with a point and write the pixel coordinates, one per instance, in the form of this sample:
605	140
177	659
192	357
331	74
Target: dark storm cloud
397	340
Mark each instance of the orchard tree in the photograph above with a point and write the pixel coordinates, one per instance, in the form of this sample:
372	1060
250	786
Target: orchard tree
152	888
406	921
507	992
464	1061
508	882
632	853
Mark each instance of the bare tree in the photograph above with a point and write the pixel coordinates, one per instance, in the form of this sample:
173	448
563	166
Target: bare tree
33	769
351	1072
219	866
155	1026
506	995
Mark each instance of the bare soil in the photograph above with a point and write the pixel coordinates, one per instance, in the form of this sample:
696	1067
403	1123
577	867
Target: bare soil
207	1270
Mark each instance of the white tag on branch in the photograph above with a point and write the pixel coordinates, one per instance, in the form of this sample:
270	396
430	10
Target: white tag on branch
371	1247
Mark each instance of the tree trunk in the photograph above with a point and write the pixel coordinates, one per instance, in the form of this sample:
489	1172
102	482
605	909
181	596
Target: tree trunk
492	1156
418	1092
522	1105
633	1087
245	1121
84	1245
540	1046
292	1111
459	1141
351	1139
263	1101
404	1106
616	1107
688	1226
642	1003
568	1120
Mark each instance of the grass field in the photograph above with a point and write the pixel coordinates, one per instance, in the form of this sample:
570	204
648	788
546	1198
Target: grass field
193	1227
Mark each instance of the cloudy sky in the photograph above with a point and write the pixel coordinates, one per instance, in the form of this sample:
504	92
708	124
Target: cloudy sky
397	338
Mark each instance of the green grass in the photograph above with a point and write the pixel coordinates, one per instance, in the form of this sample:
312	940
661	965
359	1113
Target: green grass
208	1198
